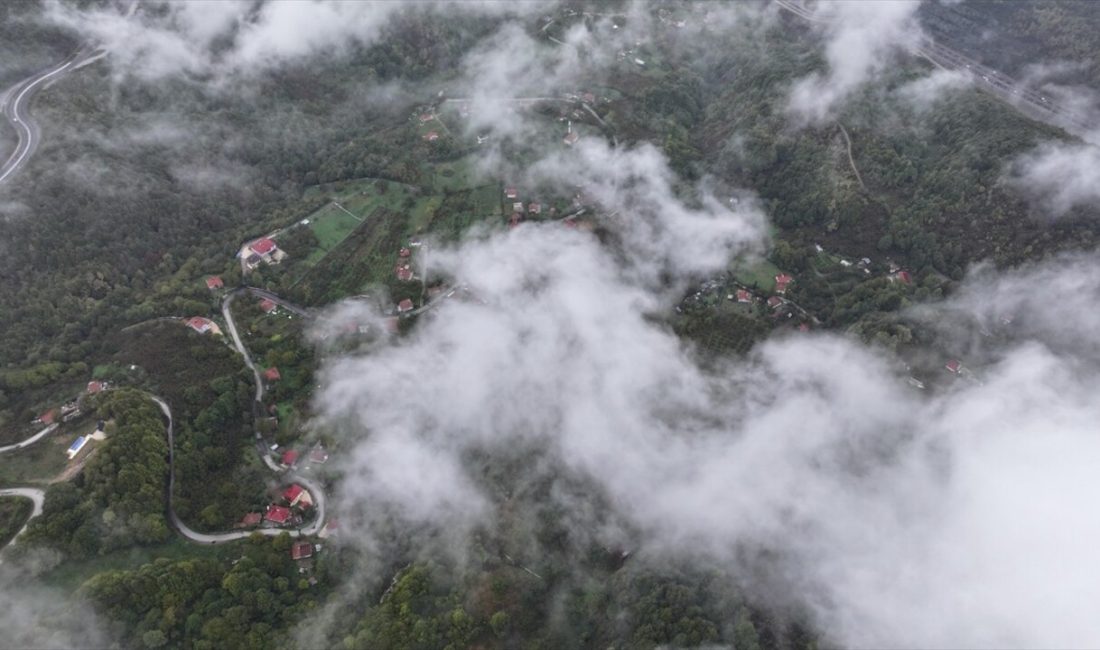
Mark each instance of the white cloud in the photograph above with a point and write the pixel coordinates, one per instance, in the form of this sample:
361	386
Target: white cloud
1059	177
862	39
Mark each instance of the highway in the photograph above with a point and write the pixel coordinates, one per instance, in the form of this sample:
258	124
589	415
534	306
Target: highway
35	495
15	106
1021	97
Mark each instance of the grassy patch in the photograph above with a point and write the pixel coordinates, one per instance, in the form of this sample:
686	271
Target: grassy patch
760	274
45	459
13	514
71	574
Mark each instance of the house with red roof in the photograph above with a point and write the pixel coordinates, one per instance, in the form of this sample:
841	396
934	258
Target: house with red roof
534	208
301	550
95	387
775	302
903	277
404	252
405	305
272	374
214	282
782	281
571	137
251	519
514	220
431	136
290	457
953	366
744	296
427	117
318	455
262	250
202	325
263	246
277	514
404	273
296	495
47	417
268	305
510	193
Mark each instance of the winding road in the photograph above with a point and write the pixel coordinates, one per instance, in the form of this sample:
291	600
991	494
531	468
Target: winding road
15	106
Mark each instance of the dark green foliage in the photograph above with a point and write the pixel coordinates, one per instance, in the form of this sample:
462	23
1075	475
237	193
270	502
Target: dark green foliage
208	604
119	500
13	514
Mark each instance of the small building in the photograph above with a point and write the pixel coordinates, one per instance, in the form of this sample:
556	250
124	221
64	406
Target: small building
517	206
263	246
75	448
404	252
510	193
431	136
534	208
251	519
588	98
404	306
744	296
95	387
514	220
318	456
290	457
953	366
47	417
301	550
775	302
268	305
782	281
278	515
903	277
329	529
214	282
427	117
404	273
272	374
263	249
571	137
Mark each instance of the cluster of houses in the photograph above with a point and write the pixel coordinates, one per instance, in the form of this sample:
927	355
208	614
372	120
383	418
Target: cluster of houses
519	210
403	268
261	251
287	510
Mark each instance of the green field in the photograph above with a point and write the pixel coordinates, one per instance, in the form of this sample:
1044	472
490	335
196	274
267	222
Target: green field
760	274
13	514
45	459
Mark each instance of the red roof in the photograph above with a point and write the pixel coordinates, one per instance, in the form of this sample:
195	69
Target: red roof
94	387
804	327
431	136
588	98
953	365
301	550
404	274
277	514
318	456
743	295
251	519
510	192
263	246
426	117
290	457
268	305
405	305
199	324
47	417
904	277
404	252
775	301
294	491
272	374
214	282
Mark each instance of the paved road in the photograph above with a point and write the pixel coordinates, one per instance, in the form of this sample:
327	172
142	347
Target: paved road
227	313
1025	99
15	106
29	441
35	495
